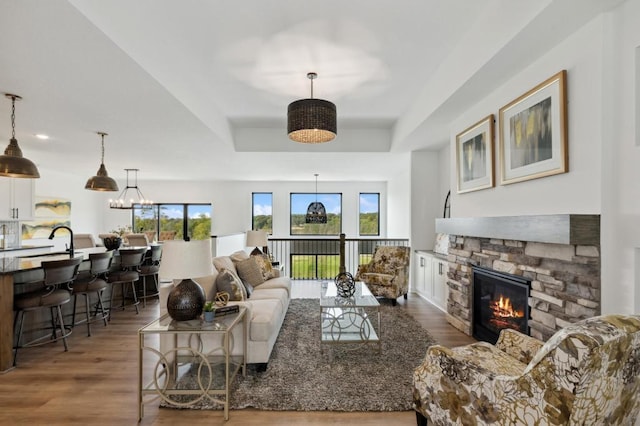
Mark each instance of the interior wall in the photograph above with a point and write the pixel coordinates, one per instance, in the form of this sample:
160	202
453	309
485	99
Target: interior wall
621	197
399	211
86	206
425	198
575	192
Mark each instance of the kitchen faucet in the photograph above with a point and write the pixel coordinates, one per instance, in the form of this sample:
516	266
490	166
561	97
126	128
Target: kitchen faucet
53	231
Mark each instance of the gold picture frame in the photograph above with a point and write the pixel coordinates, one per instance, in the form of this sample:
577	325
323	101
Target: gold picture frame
474	156
533	133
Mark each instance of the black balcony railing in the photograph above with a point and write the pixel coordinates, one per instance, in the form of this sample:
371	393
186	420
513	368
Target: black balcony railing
319	258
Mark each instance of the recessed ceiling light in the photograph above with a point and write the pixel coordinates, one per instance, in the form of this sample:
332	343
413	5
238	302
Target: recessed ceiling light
41	136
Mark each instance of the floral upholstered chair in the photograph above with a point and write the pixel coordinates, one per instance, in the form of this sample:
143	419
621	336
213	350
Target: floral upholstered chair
586	374
387	275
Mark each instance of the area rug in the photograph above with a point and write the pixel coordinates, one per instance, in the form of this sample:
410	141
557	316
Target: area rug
301	377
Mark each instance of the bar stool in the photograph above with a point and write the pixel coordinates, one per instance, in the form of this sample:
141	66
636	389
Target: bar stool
57	273
150	267
130	261
93	282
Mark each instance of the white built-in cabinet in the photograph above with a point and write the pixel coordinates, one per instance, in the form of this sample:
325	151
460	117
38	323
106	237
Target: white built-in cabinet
16	198
431	278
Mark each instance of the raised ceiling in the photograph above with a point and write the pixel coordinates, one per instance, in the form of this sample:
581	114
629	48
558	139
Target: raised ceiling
196	89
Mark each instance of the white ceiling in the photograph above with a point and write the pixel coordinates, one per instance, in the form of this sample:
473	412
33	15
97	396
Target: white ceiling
197	89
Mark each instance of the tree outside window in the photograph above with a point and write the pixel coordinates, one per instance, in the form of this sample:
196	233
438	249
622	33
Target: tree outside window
262	212
369	216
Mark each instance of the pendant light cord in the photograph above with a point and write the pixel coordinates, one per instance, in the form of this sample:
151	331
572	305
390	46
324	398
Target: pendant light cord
13	117
102	159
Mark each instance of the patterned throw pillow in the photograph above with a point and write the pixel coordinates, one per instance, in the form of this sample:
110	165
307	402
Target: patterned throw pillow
249	271
228	282
265	266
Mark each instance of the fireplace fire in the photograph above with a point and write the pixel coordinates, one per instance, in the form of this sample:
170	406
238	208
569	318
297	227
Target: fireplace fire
499	301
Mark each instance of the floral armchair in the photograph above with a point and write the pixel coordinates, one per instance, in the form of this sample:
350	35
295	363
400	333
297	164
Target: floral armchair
586	374
387	275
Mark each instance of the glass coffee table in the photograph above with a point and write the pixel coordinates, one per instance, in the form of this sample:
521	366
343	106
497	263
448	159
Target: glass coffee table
349	320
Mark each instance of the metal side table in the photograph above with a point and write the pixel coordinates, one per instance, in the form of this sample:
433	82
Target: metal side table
174	367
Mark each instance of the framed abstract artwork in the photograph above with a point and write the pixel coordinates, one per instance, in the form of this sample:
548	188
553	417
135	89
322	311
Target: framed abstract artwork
474	156
533	133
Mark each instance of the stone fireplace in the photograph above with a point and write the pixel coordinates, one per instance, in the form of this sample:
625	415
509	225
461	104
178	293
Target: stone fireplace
558	254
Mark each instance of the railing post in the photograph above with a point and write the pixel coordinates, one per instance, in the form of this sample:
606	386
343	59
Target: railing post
342	245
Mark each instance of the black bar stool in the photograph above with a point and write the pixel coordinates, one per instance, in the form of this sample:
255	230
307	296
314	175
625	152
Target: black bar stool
150	267
57	273
93	282
130	261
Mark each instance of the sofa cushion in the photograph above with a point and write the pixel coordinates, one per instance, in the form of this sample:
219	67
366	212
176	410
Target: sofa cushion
224	262
229	282
280	282
249	271
266	316
274	294
208	284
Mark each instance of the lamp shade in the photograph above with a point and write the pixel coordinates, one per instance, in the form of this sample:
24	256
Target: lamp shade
311	121
186	259
256	238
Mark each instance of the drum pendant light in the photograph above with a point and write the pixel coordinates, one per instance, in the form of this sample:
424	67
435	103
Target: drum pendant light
12	163
101	181
311	120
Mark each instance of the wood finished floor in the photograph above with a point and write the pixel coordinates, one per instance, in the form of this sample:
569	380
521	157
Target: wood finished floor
95	382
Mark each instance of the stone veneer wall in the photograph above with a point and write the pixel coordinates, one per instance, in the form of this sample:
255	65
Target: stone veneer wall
565	280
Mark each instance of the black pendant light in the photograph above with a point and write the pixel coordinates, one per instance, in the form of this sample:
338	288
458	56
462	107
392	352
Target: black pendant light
101	181
311	120
316	213
12	163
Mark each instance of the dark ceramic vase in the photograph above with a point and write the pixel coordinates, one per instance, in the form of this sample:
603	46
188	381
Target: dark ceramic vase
112	243
186	301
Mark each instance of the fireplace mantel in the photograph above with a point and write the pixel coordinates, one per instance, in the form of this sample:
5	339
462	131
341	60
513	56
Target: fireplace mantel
578	229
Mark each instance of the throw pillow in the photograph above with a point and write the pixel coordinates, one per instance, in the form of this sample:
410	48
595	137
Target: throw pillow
265	266
250	272
239	256
228	282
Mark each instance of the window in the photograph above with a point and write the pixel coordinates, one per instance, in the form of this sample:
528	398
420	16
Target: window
262	212
190	220
369	217
332	203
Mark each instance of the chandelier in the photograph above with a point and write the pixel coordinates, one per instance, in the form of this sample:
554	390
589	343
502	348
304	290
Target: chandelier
101	181
130	195
311	120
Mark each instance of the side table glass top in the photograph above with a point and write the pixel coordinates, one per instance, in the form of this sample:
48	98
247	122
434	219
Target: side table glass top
167	324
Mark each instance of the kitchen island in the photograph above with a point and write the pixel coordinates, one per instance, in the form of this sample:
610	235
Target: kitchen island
14	273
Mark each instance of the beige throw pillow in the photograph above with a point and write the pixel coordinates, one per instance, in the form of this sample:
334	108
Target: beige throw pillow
265	266
228	282
249	271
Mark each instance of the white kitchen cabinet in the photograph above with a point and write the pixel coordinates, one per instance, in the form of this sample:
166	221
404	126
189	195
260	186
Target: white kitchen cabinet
431	278
16	199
